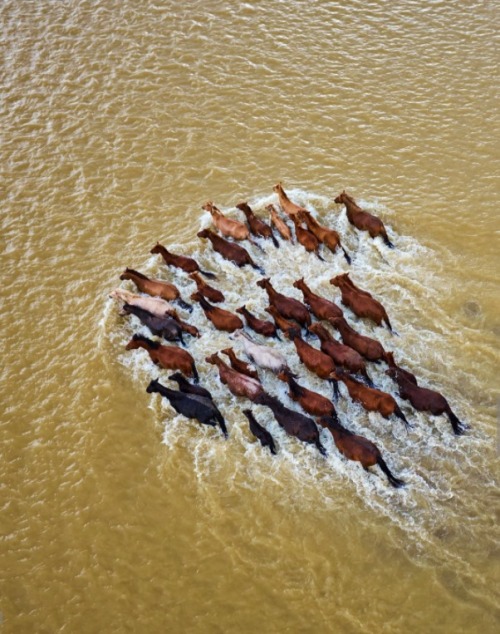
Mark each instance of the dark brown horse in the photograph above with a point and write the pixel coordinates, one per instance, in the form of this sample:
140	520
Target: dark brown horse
358	448
167	357
237	383
166	327
209	292
239	365
425	400
366	346
362	303
257	226
307	239
329	237
229	251
155	288
288	307
320	307
222	319
363	220
311	402
261	326
371	399
343	356
189	265
261	433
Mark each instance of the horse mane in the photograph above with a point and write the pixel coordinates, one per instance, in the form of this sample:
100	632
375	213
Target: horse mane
152	344
134	272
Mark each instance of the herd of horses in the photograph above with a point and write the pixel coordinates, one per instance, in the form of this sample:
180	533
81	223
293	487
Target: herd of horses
345	360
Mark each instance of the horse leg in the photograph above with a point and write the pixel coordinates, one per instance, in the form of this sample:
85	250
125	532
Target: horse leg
387	241
458	426
196	377
336	392
275	241
396	483
320	257
401	416
346	255
320	447
257	268
184	305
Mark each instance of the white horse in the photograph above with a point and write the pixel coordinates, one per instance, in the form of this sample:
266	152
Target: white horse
155	305
263	356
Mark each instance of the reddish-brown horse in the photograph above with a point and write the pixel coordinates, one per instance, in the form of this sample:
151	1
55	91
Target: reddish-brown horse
366	346
316	361
358	448
227	226
209	292
286	204
229	251
155	288
307	239
329	237
189	265
167	357
221	319
261	326
288	307
239	365
283	229
361	302
311	402
285	325
257	226
237	383
320	307
363	220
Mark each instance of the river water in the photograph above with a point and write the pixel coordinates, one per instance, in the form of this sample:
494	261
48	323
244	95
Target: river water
119	120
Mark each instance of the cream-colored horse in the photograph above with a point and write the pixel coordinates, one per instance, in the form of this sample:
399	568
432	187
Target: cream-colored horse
263	356
154	305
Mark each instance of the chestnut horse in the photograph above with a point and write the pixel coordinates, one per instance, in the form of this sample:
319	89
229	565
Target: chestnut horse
261	433
156	288
311	402
329	237
286	204
237	383
167	357
189	265
262	327
320	307
363	220
229	251
358	448
283	324
283	229
289	307
361	302
307	239
316	361
366	346
239	365
221	319
227	226
257	226
211	293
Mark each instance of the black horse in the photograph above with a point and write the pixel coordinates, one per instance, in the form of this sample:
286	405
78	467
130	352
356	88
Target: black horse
261	433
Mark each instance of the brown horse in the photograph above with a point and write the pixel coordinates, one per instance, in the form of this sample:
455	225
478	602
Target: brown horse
167	357
155	288
362	303
363	220
289	307
329	237
342	355
227	226
221	319
261	326
239	365
209	292
283	324
401	372
366	346
311	402
320	307
229	251
189	265
371	399
185	326
425	400
316	361
257	226
237	383
283	229
261	433
358	448
286	204
307	239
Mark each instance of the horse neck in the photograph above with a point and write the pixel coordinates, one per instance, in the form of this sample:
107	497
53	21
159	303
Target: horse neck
310	221
204	304
270	290
323	333
295	388
303	287
131	274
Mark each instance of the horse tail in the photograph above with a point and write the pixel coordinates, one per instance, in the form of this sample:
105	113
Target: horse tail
222	423
387	241
396	482
386	319
320	257
367	378
184	305
346	255
275	241
336	392
257	267
401	416
458	426
195	372
320	447
211	276
255	244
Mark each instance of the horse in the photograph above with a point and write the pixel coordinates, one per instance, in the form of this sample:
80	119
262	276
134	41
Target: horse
222	319
237	383
283	229
401	372
366	346
261	326
202	409
166	357
185	326
154	305
165	327
156	288
343	356
227	226
187	387
286	204
307	239
288	307
361	302
257	226
372	399
358	448
189	265
209	292
329	237
363	220
311	402
320	307
425	400
261	433
239	365
294	423
229	251
263	356
283	324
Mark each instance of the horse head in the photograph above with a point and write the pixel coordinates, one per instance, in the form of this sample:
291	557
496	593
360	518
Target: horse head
264	282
